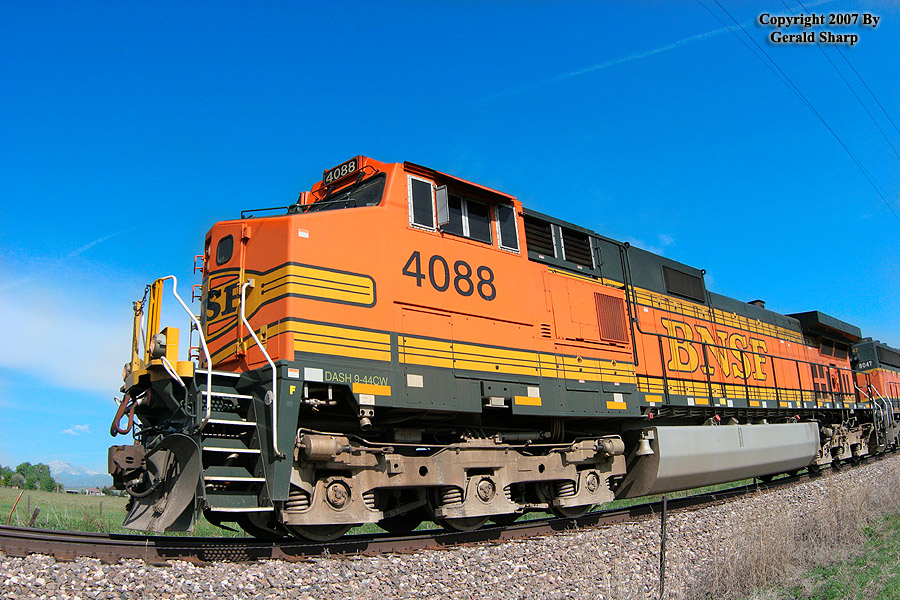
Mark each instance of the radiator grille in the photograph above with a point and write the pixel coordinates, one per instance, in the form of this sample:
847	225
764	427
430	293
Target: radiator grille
611	317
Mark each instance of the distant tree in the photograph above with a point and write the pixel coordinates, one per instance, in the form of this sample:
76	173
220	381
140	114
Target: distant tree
44	479
17	480
5	474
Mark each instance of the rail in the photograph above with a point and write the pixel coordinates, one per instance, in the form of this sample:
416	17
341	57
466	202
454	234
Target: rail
69	545
202	344
250	283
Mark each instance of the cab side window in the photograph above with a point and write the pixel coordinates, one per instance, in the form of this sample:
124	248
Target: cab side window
421	203
506	227
469	218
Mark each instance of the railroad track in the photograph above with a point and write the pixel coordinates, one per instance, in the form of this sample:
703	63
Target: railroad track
69	545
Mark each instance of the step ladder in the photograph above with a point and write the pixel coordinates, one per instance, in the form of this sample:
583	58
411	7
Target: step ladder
233	470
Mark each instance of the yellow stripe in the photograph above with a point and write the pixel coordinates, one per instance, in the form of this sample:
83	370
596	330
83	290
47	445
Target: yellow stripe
342	332
617	405
527	401
755	403
650	398
715	315
334	350
341	341
320	283
702	401
371	388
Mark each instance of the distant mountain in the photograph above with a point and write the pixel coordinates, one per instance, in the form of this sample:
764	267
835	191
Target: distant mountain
73	476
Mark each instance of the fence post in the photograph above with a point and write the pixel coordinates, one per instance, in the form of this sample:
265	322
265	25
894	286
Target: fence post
662	549
34	517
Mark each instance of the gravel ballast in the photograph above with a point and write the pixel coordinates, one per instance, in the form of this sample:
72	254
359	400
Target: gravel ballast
618	561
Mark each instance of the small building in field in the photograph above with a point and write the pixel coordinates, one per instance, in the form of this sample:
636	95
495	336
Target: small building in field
92	492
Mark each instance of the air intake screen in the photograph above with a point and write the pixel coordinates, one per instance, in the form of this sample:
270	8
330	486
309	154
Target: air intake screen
611	317
539	237
683	284
577	247
888	357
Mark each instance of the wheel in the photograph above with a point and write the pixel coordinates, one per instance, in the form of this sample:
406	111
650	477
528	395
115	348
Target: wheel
267	530
400	524
505	520
548	493
570	512
319	533
462	523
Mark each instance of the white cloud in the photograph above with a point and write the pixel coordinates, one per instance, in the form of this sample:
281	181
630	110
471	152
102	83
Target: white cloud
65	336
665	240
77	430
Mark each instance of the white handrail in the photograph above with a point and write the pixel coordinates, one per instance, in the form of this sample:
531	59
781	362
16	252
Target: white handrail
250	283
202	344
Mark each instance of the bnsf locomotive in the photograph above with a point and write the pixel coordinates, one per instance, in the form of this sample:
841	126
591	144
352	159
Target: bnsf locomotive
401	345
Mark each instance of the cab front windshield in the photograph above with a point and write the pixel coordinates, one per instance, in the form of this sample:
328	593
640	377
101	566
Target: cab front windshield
365	193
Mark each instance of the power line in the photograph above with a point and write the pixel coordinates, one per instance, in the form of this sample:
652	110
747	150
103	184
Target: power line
849	64
793	87
850	87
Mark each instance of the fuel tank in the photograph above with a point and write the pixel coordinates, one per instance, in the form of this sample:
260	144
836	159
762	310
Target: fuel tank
689	457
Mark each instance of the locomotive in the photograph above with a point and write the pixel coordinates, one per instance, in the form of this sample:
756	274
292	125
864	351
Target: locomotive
401	345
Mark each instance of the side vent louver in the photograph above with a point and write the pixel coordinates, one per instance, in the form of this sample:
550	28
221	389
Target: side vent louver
577	248
539	237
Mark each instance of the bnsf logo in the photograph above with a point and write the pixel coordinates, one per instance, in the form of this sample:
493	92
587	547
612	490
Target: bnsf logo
221	301
732	354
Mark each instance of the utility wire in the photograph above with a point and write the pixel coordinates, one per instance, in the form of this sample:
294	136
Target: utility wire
793	87
849	64
850	87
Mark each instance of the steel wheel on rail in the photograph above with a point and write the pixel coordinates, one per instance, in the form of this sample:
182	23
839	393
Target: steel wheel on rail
404	523
266	529
319	533
463	524
550	491
505	520
571	512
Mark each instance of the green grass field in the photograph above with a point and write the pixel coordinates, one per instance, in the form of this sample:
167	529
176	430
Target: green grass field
77	512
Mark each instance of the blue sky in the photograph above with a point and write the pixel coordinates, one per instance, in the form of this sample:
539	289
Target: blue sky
127	129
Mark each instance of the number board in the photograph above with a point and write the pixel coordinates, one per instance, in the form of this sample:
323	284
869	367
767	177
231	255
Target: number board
329	176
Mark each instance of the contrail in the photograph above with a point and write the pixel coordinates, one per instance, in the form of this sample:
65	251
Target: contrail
90	245
625	59
69	255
